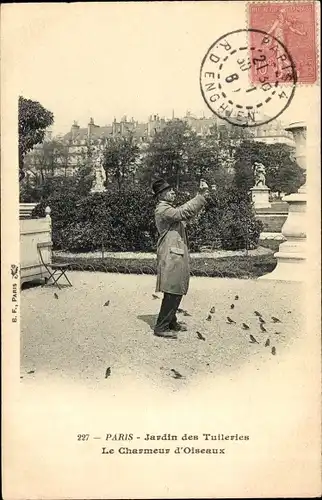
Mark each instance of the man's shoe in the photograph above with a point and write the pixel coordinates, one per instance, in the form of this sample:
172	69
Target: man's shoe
179	327
166	335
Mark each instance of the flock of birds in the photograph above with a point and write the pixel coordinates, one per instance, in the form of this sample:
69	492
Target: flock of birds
229	321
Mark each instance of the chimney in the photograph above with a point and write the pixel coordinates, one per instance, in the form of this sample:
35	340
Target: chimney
74	130
90	128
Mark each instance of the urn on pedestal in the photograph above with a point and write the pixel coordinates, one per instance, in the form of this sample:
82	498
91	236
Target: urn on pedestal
292	254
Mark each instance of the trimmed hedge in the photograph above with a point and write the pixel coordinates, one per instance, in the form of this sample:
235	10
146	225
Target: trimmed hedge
124	221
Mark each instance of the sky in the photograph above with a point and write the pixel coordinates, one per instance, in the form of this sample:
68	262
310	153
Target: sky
106	60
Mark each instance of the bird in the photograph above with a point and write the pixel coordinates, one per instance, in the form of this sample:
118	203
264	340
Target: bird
230	321
232	306
209	317
185	313
212	310
257	314
55	295
180	310
273	350
107	303
236	297
261	320
154	296
108	372
31	371
245	326
289	312
176	373
252	339
200	336
263	328
277	333
267	343
276	320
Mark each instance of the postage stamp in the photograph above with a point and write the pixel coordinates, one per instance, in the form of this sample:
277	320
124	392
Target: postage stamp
233	85
293	24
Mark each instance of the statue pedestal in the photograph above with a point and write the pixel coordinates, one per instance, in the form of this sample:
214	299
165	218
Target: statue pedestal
260	196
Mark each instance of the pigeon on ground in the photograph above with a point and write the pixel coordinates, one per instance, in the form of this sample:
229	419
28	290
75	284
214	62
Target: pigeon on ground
257	314
31	371
230	321
236	297
289	312
263	328
232	306
209	317
107	303
185	313
245	326
176	374
200	336
252	339
267	343
212	310
180	310
154	296
277	333
273	350
261	320
276	320
108	372
55	295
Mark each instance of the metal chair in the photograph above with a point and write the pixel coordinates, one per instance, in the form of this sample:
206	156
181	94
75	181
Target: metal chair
55	271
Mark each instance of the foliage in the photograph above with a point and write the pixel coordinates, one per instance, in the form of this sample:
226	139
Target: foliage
100	220
48	177
119	156
282	172
173	154
33	119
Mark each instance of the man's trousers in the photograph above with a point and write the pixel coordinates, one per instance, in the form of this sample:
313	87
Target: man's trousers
167	316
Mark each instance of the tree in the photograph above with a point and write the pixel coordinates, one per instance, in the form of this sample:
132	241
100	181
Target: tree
173	153
33	119
282	172
119	158
48	159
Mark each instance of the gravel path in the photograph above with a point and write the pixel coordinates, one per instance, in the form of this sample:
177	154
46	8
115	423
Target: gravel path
76	337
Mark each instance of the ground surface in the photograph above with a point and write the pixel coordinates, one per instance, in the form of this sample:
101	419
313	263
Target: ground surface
76	337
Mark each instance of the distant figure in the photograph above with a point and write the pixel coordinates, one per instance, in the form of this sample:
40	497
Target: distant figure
259	174
281	29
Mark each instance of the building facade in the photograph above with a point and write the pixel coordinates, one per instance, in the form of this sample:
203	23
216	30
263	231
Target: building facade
74	146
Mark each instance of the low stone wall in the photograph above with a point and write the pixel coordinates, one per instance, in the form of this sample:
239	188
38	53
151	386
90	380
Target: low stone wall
273	223
32	232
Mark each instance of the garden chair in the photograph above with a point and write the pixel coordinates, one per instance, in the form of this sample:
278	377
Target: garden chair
55	271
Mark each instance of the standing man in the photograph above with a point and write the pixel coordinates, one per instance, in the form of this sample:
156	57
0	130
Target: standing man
172	253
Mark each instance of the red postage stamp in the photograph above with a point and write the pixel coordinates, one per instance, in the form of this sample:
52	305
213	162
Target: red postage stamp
291	36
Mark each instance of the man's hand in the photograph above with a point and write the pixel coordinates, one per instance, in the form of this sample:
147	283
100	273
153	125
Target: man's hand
204	189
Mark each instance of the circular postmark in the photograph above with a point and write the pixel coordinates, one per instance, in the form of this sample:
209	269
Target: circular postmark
247	77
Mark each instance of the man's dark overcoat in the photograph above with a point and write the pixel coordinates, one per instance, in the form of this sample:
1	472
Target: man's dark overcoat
172	248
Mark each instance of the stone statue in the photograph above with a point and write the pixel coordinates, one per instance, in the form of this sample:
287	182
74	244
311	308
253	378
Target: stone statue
259	174
98	184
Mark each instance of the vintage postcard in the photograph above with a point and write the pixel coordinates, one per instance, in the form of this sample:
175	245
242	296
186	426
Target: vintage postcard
160	226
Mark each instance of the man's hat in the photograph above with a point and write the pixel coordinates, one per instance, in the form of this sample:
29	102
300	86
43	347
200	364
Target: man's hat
160	185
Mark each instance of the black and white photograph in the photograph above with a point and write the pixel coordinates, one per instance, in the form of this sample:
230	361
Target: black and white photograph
160	173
